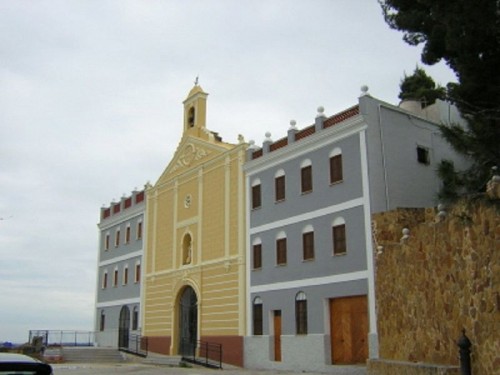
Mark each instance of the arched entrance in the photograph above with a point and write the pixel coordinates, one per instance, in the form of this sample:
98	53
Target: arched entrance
124	327
188	321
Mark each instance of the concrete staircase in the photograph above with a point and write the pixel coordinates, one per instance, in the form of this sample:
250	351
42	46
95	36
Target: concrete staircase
91	355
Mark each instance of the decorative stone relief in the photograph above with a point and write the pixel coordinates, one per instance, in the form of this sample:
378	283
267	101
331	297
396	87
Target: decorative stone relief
188	155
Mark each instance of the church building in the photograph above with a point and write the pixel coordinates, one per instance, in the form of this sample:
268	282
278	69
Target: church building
194	271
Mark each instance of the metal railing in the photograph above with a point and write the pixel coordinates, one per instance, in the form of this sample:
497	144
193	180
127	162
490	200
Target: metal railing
62	338
137	345
203	353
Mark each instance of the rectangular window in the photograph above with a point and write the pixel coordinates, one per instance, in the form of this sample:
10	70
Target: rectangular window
139	230
308	245
256	202
281	251
257	256
125	276
279	187
115	278
105	280
339	239
306	179
257	319
135	319
102	324
301	317
137	273
127	234
106	242
336	174
117	238
423	155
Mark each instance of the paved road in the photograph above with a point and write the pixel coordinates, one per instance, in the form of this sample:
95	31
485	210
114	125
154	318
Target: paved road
143	369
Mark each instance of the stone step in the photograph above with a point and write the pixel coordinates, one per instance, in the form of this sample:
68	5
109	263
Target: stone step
160	359
92	355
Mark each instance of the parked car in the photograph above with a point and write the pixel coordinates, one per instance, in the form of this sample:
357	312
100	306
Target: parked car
20	364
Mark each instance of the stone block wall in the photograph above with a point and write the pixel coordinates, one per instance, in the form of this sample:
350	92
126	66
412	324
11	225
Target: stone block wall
444	276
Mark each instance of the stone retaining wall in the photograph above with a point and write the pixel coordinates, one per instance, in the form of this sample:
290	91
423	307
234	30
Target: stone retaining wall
442	278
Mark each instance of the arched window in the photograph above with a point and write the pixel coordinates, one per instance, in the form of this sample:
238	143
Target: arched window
187	249
281	248
191	117
339	236
301	313
125	275
137	276
256	194
135	318
308	242
279	186
257	316
306	179
336	174
257	253
102	322
105	279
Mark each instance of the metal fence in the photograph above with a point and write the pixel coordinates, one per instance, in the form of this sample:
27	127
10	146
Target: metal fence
62	338
136	344
201	352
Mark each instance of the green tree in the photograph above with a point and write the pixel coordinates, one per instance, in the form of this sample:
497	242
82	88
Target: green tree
420	86
466	35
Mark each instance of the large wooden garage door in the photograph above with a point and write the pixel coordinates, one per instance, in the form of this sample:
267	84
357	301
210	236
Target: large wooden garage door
349	329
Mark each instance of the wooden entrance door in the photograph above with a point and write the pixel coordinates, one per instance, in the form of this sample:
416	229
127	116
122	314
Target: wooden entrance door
277	335
349	329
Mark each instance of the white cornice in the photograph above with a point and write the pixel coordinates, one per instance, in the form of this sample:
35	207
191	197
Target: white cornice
124	215
305	145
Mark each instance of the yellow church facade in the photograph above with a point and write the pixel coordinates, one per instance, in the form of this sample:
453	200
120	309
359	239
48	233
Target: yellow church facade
194	274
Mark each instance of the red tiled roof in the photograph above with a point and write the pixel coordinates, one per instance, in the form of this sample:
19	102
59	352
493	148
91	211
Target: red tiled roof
330	121
339	117
278	144
257	154
306	132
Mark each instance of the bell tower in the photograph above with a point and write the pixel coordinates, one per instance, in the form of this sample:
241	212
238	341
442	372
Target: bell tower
195	112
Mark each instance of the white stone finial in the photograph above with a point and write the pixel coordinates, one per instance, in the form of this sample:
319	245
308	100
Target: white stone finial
251	145
321	111
293	124
268	137
364	90
406	234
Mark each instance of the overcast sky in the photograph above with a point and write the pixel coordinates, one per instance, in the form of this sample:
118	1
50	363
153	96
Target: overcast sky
91	107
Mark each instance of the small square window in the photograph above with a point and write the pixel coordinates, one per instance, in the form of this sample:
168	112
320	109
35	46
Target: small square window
423	155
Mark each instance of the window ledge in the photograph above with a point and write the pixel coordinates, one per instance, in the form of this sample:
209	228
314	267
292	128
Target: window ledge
306	192
336	182
279	201
340	254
